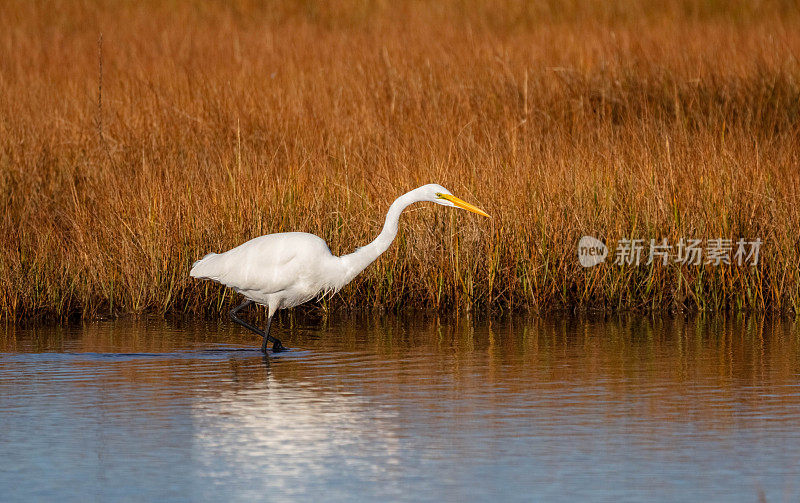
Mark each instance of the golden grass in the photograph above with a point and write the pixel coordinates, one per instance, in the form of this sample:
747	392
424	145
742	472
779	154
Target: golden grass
219	122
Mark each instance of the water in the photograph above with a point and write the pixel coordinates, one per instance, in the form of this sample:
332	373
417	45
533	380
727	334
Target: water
367	409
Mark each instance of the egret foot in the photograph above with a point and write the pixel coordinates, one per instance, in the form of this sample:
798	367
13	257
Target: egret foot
277	347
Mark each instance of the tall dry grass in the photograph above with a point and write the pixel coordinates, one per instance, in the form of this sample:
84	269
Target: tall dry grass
194	126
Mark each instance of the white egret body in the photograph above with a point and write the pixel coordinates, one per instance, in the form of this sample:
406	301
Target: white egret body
289	268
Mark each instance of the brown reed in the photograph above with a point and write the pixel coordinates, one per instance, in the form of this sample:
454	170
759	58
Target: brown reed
193	126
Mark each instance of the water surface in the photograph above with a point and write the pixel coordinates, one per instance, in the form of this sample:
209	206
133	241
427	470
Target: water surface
407	409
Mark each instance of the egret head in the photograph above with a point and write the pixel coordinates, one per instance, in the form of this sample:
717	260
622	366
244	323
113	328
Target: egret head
440	195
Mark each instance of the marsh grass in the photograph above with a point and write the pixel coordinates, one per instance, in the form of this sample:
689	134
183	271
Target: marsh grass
217	122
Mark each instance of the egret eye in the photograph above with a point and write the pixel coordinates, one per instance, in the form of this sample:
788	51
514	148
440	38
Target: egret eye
438	195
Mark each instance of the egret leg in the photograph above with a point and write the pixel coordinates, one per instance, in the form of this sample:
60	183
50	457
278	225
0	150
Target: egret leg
276	344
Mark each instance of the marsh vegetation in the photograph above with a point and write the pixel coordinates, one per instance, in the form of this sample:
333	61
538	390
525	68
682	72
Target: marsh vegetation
137	136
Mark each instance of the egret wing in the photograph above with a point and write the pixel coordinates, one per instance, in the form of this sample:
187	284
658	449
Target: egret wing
267	264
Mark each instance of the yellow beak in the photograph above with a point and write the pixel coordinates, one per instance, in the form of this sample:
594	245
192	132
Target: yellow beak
463	204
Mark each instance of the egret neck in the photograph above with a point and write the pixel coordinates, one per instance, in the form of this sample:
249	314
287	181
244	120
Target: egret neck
357	261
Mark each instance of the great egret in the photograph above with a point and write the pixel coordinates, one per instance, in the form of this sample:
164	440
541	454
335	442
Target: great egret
289	268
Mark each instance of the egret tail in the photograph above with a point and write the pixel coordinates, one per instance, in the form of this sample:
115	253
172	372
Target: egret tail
205	268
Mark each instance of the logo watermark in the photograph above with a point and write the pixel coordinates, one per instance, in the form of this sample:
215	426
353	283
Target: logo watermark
591	251
632	251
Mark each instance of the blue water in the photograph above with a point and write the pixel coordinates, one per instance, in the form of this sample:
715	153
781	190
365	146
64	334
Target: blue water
406	410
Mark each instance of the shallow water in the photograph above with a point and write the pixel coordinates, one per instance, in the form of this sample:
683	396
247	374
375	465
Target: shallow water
627	409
